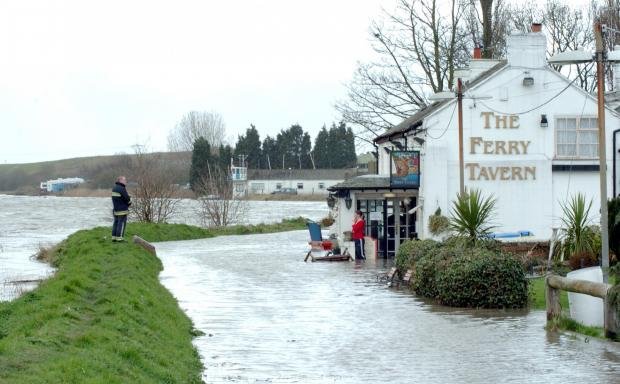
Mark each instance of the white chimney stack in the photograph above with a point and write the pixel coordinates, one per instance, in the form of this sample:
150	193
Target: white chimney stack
527	49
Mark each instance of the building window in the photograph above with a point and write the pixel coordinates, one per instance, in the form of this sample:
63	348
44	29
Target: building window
278	185
321	185
300	185
576	137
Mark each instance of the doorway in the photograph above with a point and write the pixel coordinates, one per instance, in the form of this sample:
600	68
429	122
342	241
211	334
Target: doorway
390	222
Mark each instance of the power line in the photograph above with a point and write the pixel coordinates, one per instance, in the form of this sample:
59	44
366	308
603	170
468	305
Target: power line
534	108
446	128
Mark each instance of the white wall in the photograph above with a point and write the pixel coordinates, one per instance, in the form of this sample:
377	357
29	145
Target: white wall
522	204
310	187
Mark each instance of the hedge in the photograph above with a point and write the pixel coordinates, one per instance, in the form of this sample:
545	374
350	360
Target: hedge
460	274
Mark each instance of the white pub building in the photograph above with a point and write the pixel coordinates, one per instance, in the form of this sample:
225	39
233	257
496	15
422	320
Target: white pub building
530	139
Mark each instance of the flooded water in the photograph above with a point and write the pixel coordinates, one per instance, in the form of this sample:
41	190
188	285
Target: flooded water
268	317
31	222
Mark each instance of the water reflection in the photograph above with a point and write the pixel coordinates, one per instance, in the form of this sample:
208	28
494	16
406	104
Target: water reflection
270	317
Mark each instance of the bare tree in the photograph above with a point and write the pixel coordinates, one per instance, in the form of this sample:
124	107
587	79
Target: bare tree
609	15
569	29
490	21
219	204
153	198
418	47
193	125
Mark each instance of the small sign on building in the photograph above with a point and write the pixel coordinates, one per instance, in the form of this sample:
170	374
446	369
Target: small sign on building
405	169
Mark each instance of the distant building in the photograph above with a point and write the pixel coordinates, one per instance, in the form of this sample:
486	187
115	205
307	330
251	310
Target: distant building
367	163
239	177
305	181
60	185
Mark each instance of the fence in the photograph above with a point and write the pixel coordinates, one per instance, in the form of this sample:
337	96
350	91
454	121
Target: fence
554	284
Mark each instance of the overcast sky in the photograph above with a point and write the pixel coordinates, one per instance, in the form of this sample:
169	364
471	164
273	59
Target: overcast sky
81	78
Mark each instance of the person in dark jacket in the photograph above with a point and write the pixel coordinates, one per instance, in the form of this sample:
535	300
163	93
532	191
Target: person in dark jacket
121	202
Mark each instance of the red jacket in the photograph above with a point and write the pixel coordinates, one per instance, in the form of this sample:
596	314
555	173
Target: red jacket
358	229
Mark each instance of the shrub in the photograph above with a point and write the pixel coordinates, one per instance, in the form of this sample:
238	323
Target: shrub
583	260
613	209
459	273
577	235
411	251
463	242
425	274
482	279
428	267
472	215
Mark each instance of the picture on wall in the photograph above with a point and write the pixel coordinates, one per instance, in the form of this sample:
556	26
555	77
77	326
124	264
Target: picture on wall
405	169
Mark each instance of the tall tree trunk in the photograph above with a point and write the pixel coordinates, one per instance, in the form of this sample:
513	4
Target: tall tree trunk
487	28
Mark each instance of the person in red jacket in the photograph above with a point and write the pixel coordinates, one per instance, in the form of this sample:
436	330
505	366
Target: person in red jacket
358	235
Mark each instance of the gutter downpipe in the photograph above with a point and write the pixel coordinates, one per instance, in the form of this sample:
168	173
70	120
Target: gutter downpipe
614	162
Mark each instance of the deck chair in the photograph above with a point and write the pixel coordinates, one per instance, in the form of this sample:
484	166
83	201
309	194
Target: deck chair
318	244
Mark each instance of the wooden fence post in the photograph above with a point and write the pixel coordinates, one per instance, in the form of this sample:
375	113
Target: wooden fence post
552	300
612	311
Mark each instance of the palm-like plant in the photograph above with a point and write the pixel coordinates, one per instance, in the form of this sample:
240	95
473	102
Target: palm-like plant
472	214
577	234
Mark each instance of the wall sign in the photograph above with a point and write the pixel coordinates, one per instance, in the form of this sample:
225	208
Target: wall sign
405	169
481	146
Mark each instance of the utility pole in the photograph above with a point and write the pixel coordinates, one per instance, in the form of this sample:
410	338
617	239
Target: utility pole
600	78
459	97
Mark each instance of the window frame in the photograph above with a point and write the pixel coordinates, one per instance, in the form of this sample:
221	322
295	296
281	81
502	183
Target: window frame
578	130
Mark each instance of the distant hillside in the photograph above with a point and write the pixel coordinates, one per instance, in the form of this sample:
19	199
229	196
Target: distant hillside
98	171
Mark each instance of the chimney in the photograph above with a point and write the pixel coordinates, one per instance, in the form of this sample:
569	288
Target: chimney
527	49
477	53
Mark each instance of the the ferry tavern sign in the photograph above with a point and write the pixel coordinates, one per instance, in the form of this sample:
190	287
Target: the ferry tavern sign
478	145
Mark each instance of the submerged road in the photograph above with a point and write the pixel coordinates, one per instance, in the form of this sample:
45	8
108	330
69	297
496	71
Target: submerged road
268	317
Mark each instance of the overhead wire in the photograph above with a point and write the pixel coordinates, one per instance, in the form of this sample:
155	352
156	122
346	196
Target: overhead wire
446	128
534	108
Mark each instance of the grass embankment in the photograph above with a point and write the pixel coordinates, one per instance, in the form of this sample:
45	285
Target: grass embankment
104	317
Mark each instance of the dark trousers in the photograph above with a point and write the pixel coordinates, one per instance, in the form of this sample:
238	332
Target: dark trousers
118	227
359	249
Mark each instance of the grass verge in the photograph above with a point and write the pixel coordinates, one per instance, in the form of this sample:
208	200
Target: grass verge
564	323
104	317
538	295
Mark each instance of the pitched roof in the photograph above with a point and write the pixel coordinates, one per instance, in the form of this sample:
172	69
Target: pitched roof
413	122
363	182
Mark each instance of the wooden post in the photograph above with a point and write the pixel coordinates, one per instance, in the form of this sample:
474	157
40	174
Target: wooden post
407	277
611	319
612	311
552	300
144	244
556	283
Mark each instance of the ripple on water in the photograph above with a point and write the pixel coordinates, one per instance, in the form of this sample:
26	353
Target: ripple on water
274	318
